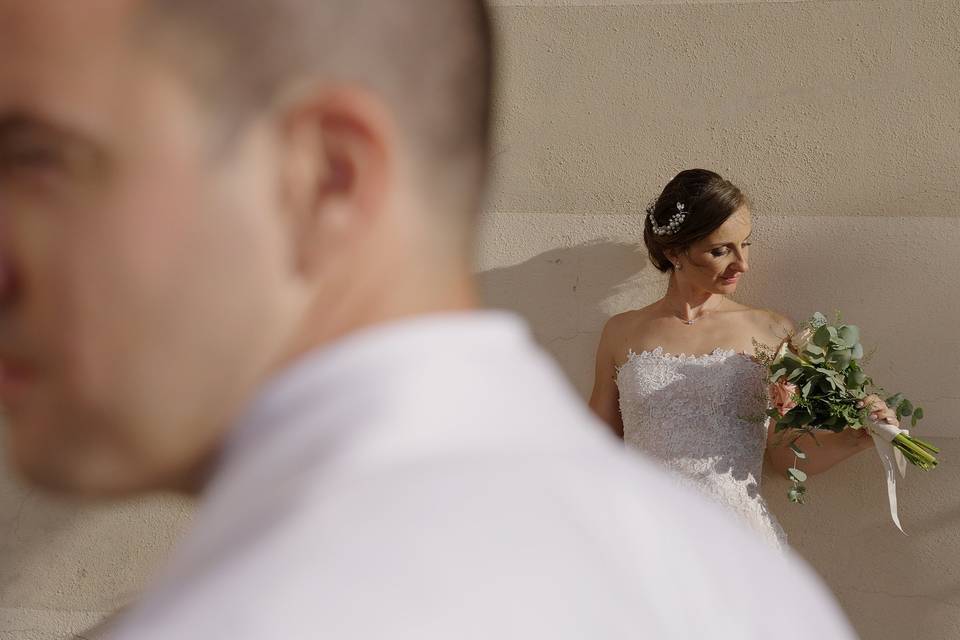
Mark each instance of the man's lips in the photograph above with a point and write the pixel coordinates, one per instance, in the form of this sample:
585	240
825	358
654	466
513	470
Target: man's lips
731	279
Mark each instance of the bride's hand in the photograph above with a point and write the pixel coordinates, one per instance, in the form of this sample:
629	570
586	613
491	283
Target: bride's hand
860	438
879	411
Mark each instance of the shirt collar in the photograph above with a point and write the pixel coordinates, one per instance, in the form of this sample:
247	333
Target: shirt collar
369	354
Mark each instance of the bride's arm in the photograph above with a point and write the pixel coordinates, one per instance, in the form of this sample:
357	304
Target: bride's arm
605	399
833	448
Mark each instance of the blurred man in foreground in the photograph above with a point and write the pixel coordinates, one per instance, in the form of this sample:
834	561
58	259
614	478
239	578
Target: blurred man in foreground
235	239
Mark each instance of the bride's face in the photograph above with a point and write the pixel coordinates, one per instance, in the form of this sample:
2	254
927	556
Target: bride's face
717	262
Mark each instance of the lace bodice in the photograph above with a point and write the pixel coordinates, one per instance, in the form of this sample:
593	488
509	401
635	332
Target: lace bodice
703	416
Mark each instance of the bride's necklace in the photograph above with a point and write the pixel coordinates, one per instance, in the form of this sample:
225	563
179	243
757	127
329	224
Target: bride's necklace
692	321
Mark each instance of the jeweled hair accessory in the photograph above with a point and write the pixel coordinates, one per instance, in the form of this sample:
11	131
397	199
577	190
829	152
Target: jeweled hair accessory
672	225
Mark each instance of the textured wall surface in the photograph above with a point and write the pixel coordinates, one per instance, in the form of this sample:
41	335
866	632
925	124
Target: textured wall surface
64	566
840	118
842	121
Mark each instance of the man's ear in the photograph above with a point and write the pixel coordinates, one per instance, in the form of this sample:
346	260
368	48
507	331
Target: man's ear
337	154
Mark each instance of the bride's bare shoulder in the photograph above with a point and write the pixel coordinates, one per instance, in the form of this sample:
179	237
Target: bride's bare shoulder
633	318
767	320
624	327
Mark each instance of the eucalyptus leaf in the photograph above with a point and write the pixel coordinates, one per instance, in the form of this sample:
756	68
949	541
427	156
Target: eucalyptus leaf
905	408
790	420
796	475
797	451
849	335
815	350
795	494
857	351
841	359
821	337
856	378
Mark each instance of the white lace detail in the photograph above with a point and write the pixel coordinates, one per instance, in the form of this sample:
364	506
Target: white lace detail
702	415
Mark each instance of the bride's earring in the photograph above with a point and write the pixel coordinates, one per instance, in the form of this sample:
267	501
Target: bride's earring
679	266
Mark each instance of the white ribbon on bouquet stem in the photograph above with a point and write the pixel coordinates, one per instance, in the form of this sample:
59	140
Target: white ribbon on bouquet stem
883	435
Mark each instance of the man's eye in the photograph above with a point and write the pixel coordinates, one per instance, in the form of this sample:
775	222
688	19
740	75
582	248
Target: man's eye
30	158
747	244
718	253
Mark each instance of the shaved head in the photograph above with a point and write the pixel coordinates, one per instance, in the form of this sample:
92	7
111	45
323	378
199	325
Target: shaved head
194	194
429	60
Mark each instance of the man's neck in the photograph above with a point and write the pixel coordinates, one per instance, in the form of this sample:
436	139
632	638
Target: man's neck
326	326
407	295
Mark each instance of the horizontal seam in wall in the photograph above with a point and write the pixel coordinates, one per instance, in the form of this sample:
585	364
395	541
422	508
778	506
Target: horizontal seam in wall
85	612
762	214
658	3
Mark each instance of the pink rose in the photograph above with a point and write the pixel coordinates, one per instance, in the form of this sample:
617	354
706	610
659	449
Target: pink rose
782	394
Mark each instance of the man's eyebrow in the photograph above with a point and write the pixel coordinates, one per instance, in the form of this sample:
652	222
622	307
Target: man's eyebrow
17	123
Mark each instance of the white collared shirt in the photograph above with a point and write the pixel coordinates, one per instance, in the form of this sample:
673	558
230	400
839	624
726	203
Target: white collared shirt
438	479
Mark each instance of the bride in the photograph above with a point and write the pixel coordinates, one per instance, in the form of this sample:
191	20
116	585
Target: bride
675	380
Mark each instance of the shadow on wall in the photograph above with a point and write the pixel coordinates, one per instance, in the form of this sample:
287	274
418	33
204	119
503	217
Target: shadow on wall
800	265
567	294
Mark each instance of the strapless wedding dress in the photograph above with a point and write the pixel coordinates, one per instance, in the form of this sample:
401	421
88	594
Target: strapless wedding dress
703	416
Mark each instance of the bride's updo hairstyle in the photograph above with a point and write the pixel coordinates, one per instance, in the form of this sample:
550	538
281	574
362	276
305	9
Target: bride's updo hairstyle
705	201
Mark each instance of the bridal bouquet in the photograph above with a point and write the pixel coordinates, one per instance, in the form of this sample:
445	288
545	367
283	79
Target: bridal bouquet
818	383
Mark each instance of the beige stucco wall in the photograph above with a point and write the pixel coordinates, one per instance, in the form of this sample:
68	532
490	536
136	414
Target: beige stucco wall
841	119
